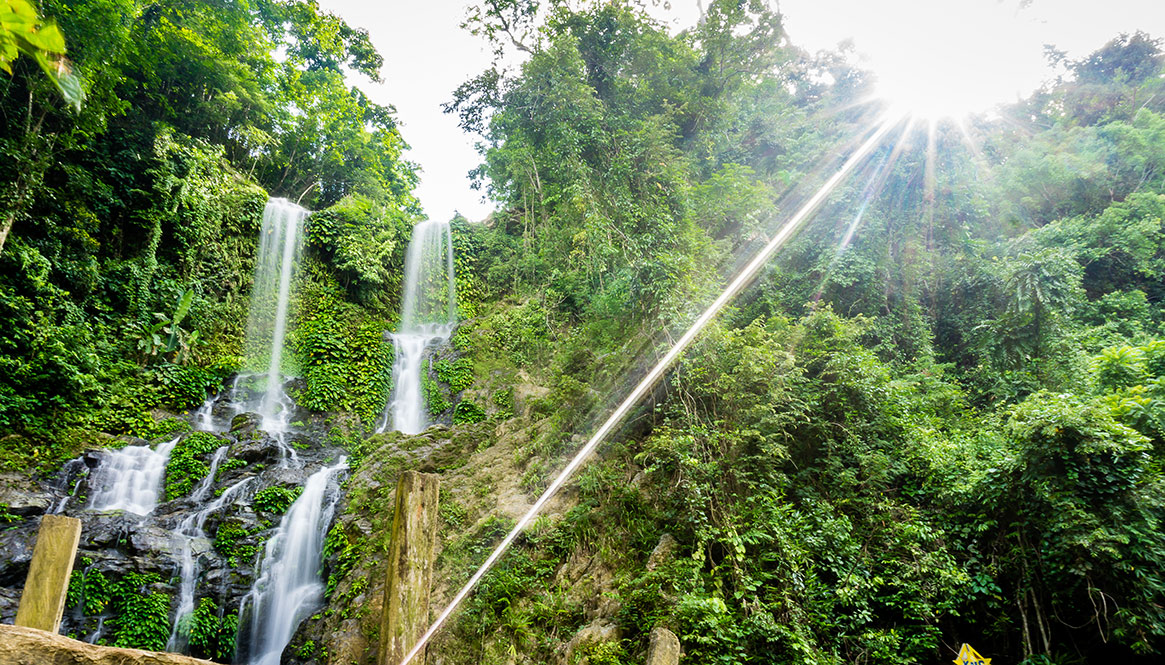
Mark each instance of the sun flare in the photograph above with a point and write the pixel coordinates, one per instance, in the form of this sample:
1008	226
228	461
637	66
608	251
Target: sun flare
949	59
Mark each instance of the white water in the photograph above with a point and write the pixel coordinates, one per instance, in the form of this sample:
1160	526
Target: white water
203	417
129	479
190	531
280	244
289	587
428	313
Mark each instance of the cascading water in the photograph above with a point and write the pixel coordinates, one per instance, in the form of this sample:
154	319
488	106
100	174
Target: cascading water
289	586
190	532
280	244
204	416
428	313
129	479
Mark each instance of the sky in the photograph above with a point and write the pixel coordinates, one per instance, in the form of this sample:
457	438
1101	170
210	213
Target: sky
936	56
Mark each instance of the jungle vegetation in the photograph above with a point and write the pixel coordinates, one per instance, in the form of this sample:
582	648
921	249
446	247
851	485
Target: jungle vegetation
947	428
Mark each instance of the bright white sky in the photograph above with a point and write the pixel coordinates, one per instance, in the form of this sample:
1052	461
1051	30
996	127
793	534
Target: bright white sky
994	49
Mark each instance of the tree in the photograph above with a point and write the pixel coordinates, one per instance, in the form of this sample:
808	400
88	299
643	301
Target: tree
22	31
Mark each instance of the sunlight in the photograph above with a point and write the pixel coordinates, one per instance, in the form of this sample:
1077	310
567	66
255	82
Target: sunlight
948	60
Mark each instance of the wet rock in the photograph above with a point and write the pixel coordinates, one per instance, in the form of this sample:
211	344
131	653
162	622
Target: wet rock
9	602
251	449
591	585
22	496
106	530
245	423
152	540
16	543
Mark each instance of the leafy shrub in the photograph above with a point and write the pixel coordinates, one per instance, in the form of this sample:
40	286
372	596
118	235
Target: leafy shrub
229	465
467	412
345	359
185	468
184	386
141	613
504	401
347	553
226	542
435	399
458	374
212	631
275	499
1154	353
1119	367
89	589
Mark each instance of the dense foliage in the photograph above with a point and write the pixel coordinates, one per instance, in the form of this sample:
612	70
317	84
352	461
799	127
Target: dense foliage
943	427
938	417
129	224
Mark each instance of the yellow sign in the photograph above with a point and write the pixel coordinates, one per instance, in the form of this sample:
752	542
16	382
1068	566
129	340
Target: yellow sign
968	656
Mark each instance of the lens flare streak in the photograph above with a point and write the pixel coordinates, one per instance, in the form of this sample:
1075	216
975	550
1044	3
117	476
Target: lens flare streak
742	280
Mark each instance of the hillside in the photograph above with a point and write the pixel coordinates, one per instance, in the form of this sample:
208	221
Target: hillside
936	417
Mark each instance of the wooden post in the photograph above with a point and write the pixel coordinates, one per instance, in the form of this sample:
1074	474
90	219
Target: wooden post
411	553
43	600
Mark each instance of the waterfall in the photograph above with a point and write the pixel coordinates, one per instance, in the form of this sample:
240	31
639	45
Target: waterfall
289	586
129	479
428	313
204	416
190	531
280	243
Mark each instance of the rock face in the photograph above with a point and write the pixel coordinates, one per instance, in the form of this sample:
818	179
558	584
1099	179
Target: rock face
411	553
29	646
124	555
594	633
43	600
664	648
19	498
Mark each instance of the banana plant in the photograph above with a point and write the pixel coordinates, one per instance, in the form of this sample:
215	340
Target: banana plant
166	336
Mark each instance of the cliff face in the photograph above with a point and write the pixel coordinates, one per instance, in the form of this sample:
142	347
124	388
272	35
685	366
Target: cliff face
222	498
29	646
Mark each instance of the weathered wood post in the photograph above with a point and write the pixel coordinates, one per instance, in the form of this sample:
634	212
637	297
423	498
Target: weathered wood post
411	552
43	600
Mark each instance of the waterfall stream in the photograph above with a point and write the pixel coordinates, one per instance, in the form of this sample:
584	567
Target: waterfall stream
129	479
280	246
289	587
428	314
190	533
